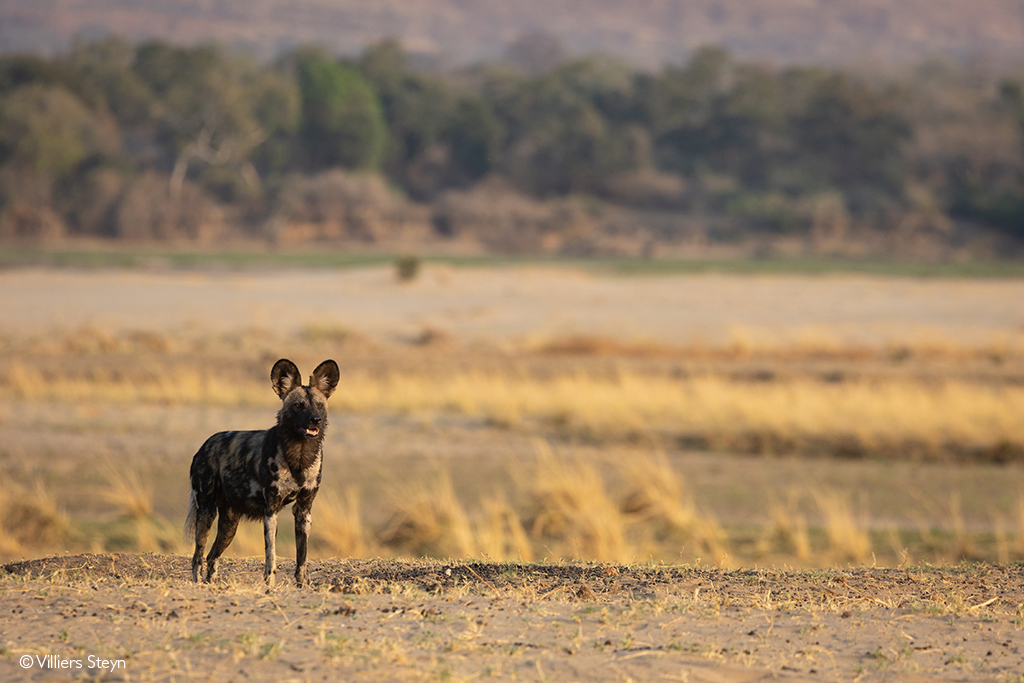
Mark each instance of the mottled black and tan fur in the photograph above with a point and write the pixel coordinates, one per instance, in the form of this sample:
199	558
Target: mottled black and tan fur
256	473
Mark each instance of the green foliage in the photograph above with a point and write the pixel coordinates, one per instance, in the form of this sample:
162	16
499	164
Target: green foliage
439	136
407	267
275	102
473	134
1000	207
771	211
276	108
48	131
20	70
199	91
558	139
750	146
342	121
717	115
851	135
104	70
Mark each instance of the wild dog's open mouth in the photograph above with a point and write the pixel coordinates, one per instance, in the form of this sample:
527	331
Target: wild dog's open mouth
312	431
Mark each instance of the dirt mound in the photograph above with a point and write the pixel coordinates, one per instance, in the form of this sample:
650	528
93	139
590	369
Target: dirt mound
957	587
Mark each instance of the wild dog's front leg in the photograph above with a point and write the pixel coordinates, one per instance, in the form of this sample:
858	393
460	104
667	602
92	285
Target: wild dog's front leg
303	511
270	543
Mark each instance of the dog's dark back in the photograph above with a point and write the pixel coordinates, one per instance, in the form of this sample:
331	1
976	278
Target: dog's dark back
231	467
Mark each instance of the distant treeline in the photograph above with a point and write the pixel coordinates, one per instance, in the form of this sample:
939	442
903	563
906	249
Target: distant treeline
156	142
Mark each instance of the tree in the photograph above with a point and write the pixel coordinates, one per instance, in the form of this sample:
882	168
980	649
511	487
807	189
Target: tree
565	131
47	131
994	193
20	70
850	136
560	142
275	102
46	135
718	116
682	97
419	111
205	113
104	70
342	121
440	134
472	133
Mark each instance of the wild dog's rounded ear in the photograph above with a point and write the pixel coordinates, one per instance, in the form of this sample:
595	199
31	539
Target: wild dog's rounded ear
325	377
284	377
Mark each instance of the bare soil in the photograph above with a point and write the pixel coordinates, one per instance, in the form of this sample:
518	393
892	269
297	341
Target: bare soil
503	306
446	620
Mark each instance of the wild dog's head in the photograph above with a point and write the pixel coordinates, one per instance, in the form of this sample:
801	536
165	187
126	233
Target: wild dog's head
304	413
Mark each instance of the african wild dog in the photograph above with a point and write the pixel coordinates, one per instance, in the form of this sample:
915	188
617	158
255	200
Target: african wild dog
254	474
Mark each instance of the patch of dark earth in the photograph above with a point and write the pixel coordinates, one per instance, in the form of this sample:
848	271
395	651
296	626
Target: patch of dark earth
955	588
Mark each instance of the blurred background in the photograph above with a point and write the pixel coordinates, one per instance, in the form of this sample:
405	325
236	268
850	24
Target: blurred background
737	282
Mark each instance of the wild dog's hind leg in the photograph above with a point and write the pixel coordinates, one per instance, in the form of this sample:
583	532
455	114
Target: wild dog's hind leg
226	527
204	522
303	511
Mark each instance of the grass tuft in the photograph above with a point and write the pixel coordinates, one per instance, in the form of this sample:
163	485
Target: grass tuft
339	527
847	533
30	518
428	521
571	505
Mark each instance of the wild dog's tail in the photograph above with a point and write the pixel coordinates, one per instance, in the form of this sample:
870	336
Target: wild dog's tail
190	520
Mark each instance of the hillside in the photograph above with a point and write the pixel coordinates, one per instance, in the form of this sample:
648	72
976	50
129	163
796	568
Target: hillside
648	33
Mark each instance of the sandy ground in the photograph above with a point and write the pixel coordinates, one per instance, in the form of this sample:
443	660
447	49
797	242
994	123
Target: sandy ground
375	620
501	304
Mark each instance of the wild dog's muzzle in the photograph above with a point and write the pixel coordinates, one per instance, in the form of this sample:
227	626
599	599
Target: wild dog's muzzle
313	428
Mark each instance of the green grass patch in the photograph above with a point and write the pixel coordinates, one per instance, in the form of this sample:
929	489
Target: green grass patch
327	258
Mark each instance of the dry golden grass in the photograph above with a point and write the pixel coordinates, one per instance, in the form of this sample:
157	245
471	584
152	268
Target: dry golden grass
158	385
428	520
726	412
30	518
869	415
126	489
562	507
132	494
249	542
787	530
500	533
658	503
657	493
570	503
1020	522
802	343
847	532
339	524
